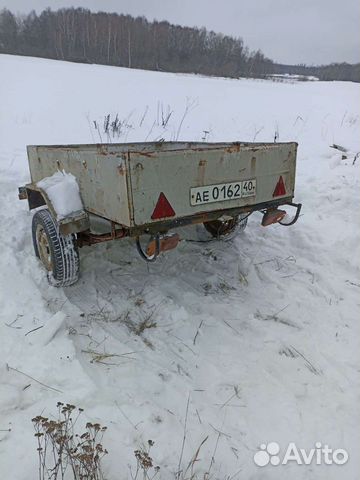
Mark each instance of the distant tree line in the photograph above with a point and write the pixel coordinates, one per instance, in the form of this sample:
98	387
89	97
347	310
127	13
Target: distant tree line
111	39
334	71
80	35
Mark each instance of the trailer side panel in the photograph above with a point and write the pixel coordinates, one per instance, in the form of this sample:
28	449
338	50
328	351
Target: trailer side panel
101	173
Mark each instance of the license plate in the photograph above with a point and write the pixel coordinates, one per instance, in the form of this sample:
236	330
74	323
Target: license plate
222	192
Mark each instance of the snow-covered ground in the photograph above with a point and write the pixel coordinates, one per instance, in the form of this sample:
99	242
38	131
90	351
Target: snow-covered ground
260	333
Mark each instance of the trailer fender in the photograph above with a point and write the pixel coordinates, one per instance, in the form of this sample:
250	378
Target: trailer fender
74	223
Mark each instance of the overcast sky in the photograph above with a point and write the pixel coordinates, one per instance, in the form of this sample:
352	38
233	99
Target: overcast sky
288	31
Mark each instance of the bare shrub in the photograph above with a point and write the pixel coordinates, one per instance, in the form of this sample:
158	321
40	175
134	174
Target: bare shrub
113	127
145	464
64	454
61	449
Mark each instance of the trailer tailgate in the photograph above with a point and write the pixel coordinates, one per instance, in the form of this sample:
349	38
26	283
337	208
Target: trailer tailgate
205	179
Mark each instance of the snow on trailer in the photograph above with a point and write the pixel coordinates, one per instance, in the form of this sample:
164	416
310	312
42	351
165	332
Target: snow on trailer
151	188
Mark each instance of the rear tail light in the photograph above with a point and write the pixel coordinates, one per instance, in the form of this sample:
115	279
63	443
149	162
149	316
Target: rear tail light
272	216
163	208
280	189
166	242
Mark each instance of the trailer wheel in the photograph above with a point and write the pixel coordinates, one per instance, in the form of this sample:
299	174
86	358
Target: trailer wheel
227	228
58	253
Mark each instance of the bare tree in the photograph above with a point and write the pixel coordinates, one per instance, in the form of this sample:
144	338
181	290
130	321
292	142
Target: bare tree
111	39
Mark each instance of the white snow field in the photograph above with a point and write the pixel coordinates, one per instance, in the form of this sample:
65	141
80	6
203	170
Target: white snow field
260	333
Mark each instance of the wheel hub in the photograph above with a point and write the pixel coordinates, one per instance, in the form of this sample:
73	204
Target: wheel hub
44	248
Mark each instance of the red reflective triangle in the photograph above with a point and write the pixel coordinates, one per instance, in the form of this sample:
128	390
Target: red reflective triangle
280	188
163	208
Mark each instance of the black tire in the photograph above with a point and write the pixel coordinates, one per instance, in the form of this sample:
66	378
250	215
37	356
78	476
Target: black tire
58	253
228	228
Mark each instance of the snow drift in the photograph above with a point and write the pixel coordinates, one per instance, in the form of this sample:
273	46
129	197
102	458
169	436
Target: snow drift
260	333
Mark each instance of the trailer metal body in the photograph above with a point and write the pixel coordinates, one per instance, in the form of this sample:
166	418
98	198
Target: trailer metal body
153	187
